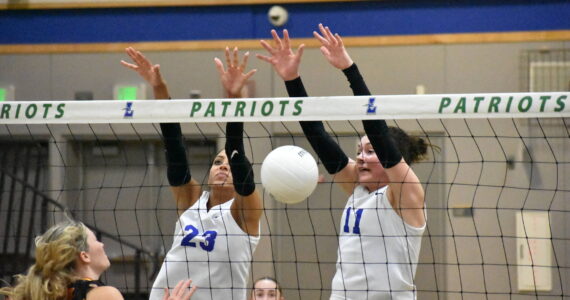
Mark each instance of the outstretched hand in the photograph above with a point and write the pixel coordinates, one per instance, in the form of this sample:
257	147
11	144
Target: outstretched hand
233	78
332	48
143	66
284	60
181	291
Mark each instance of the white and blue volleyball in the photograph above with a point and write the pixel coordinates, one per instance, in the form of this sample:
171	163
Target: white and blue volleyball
289	174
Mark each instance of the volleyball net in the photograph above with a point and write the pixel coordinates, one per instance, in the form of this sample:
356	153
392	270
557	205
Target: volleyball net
496	179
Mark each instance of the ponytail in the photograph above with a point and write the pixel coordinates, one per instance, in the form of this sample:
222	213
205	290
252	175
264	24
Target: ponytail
56	252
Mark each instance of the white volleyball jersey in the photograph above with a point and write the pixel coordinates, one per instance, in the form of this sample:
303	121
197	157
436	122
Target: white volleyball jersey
210	248
378	252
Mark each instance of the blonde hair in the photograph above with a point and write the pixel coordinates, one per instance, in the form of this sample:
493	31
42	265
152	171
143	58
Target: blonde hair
56	253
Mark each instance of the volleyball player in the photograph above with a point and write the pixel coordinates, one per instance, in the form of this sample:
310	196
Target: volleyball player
69	263
384	217
218	230
266	288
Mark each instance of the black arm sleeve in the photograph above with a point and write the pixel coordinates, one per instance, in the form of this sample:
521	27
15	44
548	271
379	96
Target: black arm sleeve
241	169
356	81
327	149
178	172
376	130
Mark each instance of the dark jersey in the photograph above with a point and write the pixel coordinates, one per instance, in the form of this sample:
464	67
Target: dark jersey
78	290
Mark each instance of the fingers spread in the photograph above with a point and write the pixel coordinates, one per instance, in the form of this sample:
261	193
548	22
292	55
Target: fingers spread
129	65
235	61
330	36
267	46
321	39
131	53
140	59
322	29
178	288
244	62
300	51
325	51
228	60
339	39
276	39
189	294
219	66
286	40
192	290
250	73
264	58
184	292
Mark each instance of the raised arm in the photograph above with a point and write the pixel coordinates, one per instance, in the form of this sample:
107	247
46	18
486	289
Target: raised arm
286	63
149	72
247	206
405	193
332	48
185	190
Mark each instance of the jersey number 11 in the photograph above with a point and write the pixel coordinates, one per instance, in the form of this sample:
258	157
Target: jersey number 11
356	228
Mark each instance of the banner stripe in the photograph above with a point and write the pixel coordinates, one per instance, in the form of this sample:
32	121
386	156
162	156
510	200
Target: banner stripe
498	105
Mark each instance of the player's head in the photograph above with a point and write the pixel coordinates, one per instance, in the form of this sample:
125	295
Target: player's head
220	172
60	252
413	149
266	288
94	259
370	171
68	247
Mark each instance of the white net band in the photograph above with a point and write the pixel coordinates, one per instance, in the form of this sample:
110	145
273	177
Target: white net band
496	105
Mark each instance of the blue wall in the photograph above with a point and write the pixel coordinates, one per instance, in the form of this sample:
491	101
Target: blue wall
371	18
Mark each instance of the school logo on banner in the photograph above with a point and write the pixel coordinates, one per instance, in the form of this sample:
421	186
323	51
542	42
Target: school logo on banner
129	112
371	107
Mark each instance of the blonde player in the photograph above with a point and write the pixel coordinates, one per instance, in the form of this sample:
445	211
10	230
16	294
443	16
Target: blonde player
218	230
69	262
384	218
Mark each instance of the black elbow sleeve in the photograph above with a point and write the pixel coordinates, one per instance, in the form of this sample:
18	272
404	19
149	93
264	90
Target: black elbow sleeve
383	144
329	152
356	81
177	172
241	169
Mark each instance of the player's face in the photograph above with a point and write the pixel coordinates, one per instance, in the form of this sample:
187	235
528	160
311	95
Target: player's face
98	258
265	290
370	171
220	172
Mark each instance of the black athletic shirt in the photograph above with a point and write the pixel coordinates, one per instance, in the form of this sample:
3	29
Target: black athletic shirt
78	290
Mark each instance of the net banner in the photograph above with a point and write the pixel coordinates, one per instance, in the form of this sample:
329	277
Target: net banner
497	105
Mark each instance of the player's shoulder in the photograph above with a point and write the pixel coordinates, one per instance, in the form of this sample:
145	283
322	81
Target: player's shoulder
104	292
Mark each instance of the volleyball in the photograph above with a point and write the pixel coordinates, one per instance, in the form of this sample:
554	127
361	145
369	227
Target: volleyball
289	174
